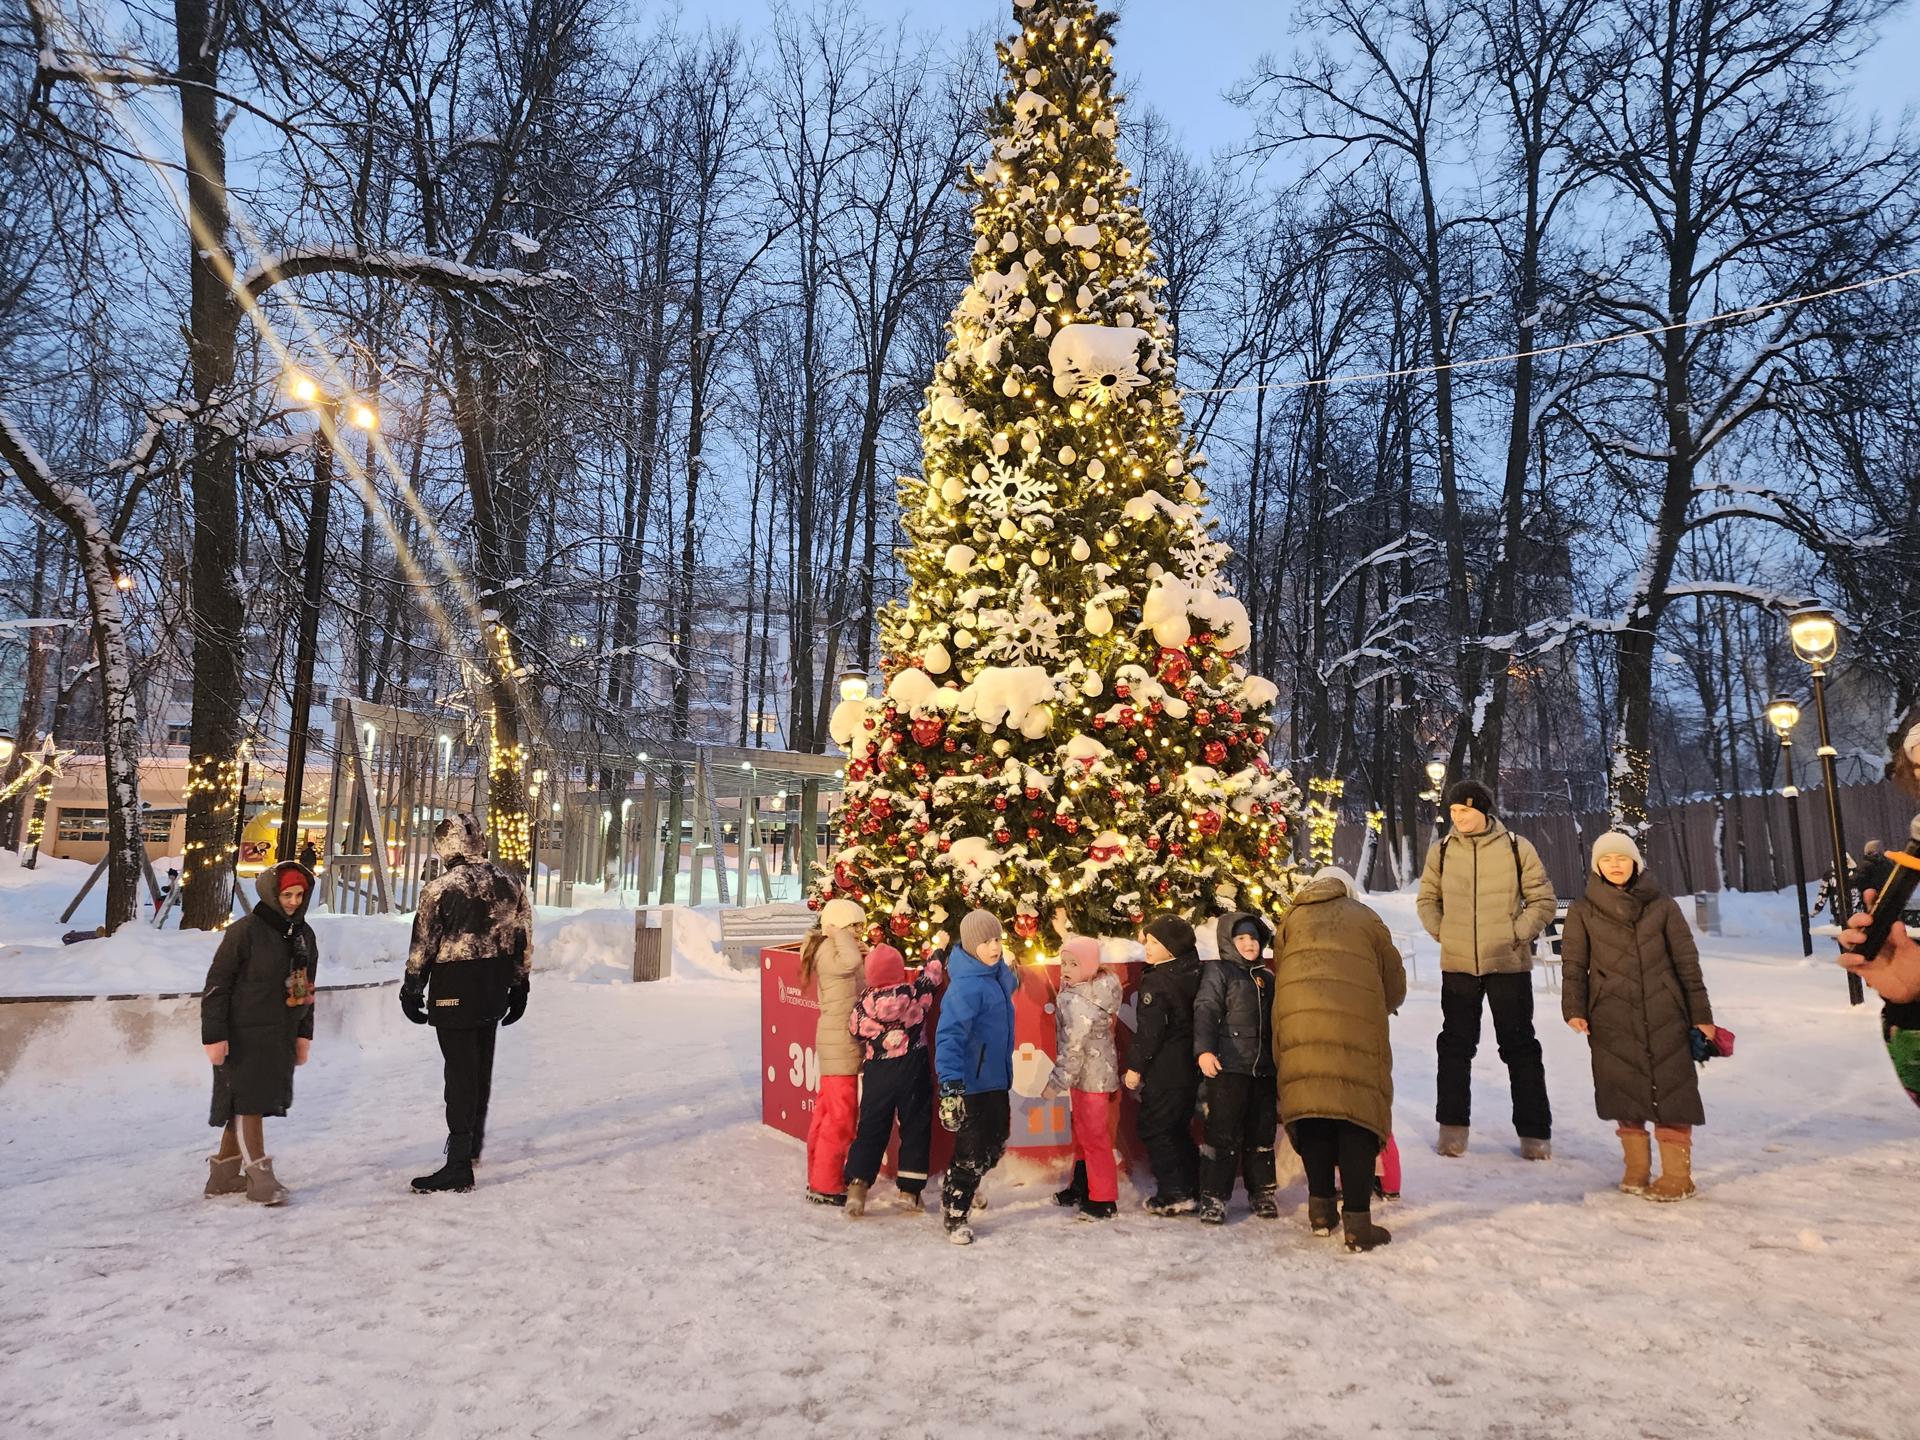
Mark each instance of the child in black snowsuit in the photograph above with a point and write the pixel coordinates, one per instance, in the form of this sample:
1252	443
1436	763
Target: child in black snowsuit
889	1024
1161	1066
1233	1042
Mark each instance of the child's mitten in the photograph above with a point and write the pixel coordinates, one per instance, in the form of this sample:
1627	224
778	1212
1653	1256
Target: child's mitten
953	1106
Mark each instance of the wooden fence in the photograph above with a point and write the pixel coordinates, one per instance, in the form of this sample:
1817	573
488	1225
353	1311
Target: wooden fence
1756	844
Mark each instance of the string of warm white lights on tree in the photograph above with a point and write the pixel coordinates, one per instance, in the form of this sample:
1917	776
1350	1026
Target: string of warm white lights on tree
1065	718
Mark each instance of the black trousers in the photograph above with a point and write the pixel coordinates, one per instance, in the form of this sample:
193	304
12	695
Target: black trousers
900	1087
468	1053
1329	1145
1510	997
1165	1128
1239	1121
977	1148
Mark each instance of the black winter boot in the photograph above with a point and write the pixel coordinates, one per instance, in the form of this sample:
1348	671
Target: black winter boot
1213	1210
1076	1190
1323	1215
1362	1233
1097	1209
1263	1205
456	1174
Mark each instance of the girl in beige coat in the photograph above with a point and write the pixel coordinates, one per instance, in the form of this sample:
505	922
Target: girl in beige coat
831	960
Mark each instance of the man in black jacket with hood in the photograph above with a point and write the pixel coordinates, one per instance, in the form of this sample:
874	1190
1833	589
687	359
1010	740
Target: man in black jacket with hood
1161	1067
468	972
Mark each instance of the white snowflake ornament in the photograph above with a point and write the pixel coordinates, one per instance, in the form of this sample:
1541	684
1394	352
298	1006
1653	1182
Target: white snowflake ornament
1098	364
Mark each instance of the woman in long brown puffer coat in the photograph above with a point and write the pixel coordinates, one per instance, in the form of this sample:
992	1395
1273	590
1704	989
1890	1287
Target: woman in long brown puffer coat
256	1025
1337	976
1631	984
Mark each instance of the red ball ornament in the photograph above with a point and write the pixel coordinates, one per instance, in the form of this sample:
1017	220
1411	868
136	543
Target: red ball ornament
813	902
1033	832
1026	925
1153	786
944	845
1206	637
1236	716
949	746
1000	802
901	925
1033	793
1069	824
871	723
927	731
1153	843
1122	691
920	827
857	770
1215	752
1176	849
1099	722
1136	918
1116	795
1164	886
1210	822
1001	837
1127	715
1203	717
1140	752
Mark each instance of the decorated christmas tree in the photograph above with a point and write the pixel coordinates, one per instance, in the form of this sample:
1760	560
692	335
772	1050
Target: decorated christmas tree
1064	720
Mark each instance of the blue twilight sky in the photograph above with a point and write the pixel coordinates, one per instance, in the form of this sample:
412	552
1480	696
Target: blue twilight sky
1179	55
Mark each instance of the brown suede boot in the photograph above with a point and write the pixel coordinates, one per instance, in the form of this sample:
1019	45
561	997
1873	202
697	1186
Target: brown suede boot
1638	1149
856	1198
223	1175
262	1187
1676	1173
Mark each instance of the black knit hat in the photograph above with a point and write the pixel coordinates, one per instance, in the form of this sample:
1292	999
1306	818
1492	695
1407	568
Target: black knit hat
1252	925
1471	792
1173	932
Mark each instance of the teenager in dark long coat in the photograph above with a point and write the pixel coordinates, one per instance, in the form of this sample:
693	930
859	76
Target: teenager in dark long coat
256	1025
1632	985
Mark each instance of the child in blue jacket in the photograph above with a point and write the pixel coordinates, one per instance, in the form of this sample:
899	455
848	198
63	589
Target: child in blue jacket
973	1053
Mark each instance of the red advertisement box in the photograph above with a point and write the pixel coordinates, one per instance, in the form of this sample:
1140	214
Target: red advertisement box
1041	1142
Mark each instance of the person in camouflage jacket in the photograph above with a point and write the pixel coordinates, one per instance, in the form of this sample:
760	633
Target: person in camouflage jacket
469	970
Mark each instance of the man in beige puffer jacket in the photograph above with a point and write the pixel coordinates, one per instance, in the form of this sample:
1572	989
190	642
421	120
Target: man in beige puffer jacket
1486	897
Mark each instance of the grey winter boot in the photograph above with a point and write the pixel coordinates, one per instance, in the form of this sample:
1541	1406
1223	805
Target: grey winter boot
1362	1233
1452	1142
456	1174
224	1177
856	1199
1532	1147
1323	1215
262	1187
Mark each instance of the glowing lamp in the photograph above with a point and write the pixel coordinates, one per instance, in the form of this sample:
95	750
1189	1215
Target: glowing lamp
853	685
1783	715
302	387
1815	634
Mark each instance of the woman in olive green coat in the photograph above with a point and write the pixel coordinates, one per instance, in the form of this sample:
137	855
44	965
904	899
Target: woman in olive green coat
1337	976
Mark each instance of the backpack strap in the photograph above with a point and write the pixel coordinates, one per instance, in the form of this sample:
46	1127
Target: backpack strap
1513	842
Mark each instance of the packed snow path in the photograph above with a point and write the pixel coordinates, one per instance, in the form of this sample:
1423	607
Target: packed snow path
637	1259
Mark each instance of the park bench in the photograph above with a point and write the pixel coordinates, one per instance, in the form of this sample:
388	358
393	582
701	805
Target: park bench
745	932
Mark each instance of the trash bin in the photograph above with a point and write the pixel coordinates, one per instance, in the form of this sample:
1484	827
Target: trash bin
1706	912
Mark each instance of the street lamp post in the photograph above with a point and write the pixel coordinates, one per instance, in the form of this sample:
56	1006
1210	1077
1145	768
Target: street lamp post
328	411
1816	640
1783	715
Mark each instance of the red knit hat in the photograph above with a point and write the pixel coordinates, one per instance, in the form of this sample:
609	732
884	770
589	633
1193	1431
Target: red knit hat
288	875
885	966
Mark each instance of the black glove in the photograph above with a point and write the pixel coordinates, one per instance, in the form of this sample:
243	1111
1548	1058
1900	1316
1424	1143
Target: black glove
413	999
1703	1048
953	1106
517	1002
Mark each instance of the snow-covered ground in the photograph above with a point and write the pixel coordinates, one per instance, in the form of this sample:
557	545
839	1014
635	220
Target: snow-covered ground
637	1259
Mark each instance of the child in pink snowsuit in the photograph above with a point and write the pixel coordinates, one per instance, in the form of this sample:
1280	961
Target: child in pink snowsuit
889	1025
1087	1066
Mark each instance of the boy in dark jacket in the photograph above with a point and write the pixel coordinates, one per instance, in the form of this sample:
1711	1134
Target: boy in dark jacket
468	972
1233	1043
1161	1066
889	1024
256	1025
973	1051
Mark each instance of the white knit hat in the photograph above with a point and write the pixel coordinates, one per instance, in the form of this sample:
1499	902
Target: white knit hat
1334	872
1614	843
842	914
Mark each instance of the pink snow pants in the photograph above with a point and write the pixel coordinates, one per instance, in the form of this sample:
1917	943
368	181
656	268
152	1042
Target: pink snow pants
1093	1142
836	1115
1390	1167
